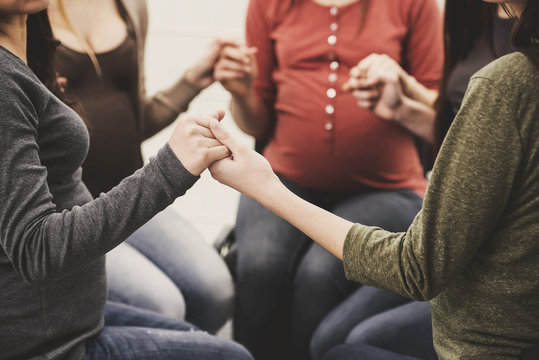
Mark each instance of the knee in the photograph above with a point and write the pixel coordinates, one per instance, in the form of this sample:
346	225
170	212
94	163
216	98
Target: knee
341	352
170	304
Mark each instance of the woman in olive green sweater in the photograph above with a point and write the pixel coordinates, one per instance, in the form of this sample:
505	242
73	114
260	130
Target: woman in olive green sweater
472	251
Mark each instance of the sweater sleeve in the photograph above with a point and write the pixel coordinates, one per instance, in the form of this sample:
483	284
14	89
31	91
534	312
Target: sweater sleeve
423	52
43	243
161	109
470	186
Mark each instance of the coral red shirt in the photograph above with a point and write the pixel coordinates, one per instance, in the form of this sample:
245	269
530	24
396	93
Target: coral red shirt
323	140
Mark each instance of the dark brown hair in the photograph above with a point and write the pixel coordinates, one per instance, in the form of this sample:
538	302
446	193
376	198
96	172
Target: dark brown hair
41	48
464	22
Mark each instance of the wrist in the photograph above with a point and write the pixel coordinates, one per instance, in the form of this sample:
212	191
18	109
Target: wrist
402	110
194	80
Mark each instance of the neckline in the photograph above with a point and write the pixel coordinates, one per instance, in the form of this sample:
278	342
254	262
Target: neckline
334	6
102	53
14	57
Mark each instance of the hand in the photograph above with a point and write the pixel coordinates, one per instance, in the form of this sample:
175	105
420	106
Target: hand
246	170
236	69
194	145
201	73
376	83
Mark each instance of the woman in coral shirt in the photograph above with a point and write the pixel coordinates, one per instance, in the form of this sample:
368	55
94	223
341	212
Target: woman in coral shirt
286	87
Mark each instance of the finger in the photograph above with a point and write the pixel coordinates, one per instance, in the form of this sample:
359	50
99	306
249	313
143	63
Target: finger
224	136
235	53
210	142
203	120
366	104
217	153
224	75
358	84
232	65
218	114
372	94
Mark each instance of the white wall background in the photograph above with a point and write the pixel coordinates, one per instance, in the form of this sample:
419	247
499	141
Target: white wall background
179	32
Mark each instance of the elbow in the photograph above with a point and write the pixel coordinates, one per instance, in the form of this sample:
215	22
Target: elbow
425	289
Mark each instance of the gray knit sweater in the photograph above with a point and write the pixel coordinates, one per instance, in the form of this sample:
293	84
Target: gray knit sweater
53	236
473	250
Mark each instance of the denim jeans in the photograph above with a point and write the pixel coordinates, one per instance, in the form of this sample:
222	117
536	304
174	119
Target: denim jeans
355	309
286	284
404	332
405	329
166	266
363	352
132	333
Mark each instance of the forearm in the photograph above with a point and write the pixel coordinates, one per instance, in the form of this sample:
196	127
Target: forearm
325	228
251	115
416	91
416	117
164	107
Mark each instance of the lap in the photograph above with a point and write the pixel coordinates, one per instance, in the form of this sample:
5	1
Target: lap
134	343
133	279
133	333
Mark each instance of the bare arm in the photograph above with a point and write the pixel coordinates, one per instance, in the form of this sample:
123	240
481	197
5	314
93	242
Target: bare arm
381	85
325	228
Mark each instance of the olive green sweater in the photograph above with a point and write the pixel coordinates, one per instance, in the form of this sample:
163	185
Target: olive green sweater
473	250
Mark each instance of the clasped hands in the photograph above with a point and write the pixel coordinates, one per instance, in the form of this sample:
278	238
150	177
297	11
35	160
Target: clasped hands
201	142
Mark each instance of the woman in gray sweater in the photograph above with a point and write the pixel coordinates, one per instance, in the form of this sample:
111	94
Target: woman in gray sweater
53	236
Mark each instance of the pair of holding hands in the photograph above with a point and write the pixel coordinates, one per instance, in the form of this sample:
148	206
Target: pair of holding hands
201	142
376	82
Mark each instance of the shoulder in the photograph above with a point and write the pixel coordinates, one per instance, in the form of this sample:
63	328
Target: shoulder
19	86
271	10
411	10
513	76
137	10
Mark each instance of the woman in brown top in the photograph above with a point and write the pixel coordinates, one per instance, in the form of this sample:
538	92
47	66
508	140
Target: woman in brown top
103	67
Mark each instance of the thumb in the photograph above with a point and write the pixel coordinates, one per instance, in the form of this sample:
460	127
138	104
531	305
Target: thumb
219	115
223	135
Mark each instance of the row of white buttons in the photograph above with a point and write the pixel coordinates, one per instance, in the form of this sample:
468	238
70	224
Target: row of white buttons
333	66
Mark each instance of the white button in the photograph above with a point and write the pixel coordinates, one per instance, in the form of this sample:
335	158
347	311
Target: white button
331	93
330	109
332	39
332	77
333	10
328	126
334	65
333	27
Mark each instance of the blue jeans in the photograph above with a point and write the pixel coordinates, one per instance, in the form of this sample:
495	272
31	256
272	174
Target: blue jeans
166	266
132	333
286	284
404	332
355	309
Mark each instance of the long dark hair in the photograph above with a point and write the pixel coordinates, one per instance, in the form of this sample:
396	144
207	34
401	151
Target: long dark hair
525	34
465	21
41	48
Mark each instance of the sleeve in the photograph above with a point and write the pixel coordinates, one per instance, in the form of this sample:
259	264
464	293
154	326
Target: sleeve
42	243
423	50
161	109
470	186
258	34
